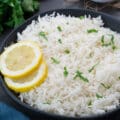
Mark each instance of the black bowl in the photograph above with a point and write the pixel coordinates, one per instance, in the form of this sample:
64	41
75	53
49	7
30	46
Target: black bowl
37	114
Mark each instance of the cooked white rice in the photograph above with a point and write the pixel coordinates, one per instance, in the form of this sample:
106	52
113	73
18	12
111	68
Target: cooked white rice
66	95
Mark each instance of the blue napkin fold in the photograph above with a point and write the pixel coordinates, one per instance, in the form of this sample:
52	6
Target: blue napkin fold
9	113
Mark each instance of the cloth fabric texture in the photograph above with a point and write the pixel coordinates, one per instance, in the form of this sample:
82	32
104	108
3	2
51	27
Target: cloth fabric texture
9	113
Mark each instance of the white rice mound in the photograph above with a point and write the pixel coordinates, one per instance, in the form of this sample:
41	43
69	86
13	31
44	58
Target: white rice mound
66	95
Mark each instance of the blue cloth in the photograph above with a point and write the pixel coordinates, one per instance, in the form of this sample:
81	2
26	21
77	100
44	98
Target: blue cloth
9	113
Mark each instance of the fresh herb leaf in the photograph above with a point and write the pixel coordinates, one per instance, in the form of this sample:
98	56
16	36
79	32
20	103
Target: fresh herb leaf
90	103
110	43
102	39
113	47
92	68
43	34
119	77
60	41
105	86
55	60
82	17
59	28
90	55
99	96
92	31
30	5
112	38
67	51
78	74
16	12
103	42
65	72
16	18
47	102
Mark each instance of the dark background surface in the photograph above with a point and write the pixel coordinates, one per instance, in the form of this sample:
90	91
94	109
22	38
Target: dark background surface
46	5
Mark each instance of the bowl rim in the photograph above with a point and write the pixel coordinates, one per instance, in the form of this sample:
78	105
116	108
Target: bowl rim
27	106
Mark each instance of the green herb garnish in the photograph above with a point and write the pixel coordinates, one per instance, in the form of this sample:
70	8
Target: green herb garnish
99	96
91	54
102	39
82	17
13	12
60	41
47	102
111	43
119	77
65	72
90	103
43	34
105	86
92	68
79	75
59	28
92	31
67	51
55	60
103	42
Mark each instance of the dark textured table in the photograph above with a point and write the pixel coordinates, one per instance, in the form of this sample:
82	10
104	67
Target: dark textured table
49	5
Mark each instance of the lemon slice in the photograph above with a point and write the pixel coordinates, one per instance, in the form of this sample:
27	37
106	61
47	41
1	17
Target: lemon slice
20	59
33	42
29	82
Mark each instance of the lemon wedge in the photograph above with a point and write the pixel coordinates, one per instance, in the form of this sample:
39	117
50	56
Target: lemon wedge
29	82
20	59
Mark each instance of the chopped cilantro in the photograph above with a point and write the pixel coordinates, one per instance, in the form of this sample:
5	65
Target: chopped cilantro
89	102
103	42
65	72
82	17
55	60
67	51
78	74
43	34
92	68
111	43
92	31
99	96
59	28
105	86
60	41
47	102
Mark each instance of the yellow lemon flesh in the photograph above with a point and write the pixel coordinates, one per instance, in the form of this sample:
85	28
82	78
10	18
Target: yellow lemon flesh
31	81
20	59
